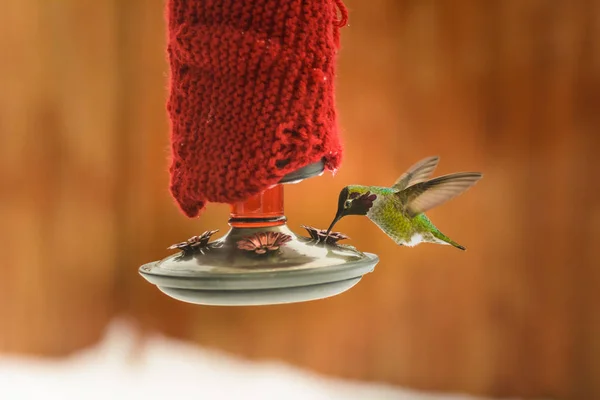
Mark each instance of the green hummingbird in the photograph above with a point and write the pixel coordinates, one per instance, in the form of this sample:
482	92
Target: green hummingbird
399	210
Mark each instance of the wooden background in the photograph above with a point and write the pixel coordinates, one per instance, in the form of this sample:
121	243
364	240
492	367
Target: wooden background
511	88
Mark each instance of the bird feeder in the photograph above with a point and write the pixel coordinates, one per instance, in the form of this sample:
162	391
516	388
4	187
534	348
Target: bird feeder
251	109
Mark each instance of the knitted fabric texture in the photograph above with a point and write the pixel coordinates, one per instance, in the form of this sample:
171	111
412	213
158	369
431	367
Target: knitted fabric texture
251	94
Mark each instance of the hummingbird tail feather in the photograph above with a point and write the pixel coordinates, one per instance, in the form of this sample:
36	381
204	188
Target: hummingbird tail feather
440	236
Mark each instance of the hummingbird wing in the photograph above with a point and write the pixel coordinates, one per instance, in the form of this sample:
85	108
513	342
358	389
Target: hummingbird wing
417	173
424	196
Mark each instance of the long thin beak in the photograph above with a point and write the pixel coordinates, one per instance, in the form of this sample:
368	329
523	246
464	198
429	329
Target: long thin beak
335	220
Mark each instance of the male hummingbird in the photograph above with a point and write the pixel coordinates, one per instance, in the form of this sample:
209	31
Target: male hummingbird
399	210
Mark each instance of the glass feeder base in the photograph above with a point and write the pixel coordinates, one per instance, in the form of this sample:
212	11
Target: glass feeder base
230	271
260	296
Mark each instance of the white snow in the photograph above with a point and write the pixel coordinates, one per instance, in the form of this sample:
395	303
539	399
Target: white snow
163	368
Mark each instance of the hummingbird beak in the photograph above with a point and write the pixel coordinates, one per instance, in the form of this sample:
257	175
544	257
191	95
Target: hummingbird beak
335	220
341	210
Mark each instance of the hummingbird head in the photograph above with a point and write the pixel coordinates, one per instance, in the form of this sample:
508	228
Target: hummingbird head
353	200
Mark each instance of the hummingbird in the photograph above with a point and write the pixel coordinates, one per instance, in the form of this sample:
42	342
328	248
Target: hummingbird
399	211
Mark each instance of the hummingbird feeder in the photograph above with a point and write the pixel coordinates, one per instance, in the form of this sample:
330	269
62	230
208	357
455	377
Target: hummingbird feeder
251	109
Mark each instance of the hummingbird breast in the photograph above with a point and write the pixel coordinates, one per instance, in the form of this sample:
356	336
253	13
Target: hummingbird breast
388	214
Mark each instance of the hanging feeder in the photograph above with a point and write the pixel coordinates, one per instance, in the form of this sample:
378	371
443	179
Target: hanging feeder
251	108
260	261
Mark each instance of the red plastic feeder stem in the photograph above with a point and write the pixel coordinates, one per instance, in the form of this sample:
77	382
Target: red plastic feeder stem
263	210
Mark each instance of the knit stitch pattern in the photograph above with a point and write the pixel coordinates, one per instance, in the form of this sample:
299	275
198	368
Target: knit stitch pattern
251	95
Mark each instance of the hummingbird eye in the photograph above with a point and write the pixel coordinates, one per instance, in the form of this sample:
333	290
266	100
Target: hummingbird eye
348	203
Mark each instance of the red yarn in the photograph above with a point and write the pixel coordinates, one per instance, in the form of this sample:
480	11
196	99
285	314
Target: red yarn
251	94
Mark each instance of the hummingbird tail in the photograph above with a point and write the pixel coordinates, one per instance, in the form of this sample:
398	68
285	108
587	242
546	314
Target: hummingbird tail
440	236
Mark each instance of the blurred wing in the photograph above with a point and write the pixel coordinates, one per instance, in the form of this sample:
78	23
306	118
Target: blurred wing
426	195
417	173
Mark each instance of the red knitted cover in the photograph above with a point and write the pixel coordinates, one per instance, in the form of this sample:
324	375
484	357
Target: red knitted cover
251	94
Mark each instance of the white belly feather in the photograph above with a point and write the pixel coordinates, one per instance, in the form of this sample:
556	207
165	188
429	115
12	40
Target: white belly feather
414	240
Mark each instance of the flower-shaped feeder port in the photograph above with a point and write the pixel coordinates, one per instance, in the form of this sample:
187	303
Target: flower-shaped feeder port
320	235
194	243
264	242
260	260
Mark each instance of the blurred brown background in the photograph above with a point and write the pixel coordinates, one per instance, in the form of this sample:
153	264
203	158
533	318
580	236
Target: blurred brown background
511	88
